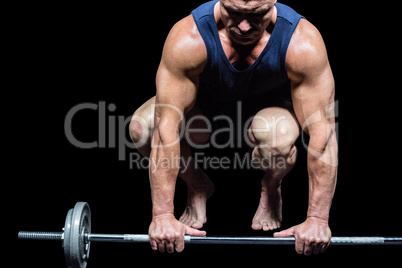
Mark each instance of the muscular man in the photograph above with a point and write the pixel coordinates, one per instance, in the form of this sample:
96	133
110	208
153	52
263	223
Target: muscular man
274	62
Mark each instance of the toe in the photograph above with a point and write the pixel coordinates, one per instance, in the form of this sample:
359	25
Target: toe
183	218
265	226
188	221
256	226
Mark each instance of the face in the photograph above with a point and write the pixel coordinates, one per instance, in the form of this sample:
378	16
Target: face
246	21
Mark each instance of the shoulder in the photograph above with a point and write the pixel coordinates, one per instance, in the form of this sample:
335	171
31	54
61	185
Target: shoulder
306	53
184	48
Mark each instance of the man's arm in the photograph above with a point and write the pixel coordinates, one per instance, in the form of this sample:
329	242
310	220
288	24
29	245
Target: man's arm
176	82
313	92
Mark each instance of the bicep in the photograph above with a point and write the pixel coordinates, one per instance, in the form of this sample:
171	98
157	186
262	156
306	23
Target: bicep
183	58
176	92
313	86
313	101
174	89
175	95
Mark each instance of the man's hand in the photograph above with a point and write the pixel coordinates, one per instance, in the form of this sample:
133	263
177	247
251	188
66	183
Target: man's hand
312	236
167	234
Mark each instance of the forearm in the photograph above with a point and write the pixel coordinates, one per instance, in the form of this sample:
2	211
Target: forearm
322	171
163	171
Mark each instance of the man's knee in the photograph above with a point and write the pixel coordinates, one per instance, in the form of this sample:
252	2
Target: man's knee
141	124
138	130
274	132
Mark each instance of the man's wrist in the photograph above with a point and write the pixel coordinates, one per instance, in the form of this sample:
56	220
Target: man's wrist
319	206
161	212
163	216
318	218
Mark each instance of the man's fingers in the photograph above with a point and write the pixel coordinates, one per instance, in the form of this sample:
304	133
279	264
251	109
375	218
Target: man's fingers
171	243
179	245
170	246
324	247
299	243
161	246
285	233
299	246
308	248
310	237
166	234
194	232
154	245
317	248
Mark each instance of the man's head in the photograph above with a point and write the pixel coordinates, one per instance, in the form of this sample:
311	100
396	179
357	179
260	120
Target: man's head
246	20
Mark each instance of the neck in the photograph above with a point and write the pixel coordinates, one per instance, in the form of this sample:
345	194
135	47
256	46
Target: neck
237	45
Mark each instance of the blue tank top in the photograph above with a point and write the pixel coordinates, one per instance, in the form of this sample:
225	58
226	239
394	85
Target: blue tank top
222	88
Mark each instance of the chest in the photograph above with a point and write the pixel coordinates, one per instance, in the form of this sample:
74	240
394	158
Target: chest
241	57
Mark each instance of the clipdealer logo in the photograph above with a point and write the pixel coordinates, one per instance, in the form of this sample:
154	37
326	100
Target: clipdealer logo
112	129
113	134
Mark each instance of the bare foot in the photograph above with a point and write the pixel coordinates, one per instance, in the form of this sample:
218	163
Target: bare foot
269	212
195	213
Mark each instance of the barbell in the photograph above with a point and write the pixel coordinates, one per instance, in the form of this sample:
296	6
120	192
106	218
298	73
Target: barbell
77	237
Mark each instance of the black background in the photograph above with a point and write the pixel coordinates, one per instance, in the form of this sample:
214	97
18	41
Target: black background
65	55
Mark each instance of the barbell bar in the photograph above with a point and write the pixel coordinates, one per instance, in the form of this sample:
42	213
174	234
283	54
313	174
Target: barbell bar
77	237
221	240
